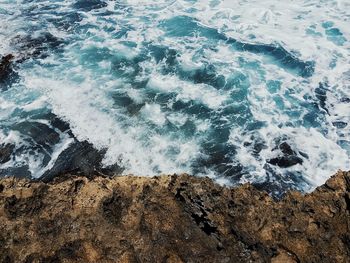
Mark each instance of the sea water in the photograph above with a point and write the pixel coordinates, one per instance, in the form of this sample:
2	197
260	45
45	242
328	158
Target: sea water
238	90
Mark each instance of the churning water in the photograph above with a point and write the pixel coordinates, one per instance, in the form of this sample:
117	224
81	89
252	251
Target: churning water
239	90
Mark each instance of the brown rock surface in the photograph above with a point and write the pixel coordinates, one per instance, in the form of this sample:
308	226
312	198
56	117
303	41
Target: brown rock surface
170	219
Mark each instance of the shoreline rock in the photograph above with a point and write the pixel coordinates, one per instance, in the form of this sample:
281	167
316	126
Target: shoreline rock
176	218
6	70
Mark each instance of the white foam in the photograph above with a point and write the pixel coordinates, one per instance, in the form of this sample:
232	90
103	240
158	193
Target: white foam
90	115
188	91
153	113
324	155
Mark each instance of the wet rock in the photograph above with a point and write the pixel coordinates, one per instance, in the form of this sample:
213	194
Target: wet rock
18	172
80	158
6	152
277	185
59	123
36	47
340	124
7	74
286	149
175	218
41	133
40	138
288	159
5	66
256	145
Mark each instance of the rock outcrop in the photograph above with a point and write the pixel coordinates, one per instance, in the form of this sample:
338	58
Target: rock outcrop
6	71
170	219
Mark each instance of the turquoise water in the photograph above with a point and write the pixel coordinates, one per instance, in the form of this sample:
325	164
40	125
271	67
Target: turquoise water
241	91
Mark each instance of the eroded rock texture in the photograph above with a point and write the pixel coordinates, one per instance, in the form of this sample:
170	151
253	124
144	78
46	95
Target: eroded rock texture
170	219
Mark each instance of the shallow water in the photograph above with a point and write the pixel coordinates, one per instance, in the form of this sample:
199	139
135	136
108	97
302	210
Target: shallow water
241	91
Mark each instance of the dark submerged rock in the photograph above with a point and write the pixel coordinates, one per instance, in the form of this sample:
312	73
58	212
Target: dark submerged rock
18	172
340	124
80	158
321	95
41	137
5	66
288	159
345	100
36	47
6	152
59	123
88	5
41	134
277	185
7	73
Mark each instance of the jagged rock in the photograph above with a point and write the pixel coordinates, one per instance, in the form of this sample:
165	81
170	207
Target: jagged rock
288	159
80	158
6	71
40	133
5	65
5	152
170	219
16	171
35	46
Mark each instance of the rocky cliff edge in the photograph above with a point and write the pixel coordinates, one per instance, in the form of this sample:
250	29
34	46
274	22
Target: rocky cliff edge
176	218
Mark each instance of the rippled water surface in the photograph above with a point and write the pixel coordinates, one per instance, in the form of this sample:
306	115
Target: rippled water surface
241	91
